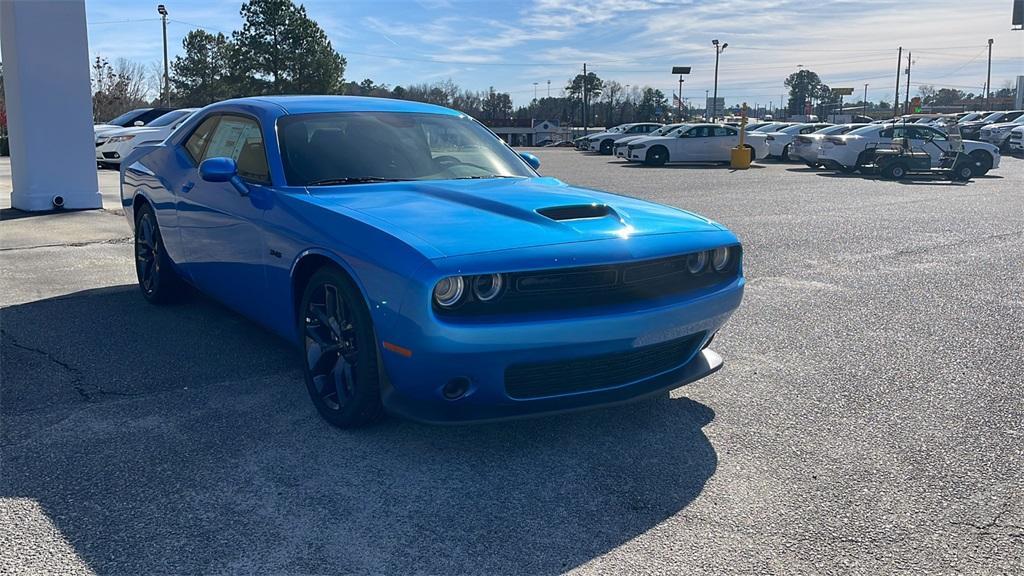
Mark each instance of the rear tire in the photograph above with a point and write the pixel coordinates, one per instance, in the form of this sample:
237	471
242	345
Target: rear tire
982	162
657	156
753	153
785	153
893	171
158	279
341	358
812	164
606	147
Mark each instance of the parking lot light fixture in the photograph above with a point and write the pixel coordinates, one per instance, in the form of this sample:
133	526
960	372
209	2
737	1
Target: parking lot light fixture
719	48
162	10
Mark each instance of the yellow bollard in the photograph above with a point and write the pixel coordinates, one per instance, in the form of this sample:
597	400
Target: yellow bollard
739	157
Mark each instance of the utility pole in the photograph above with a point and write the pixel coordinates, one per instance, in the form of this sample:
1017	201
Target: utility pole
865	99
899	64
584	98
549	88
988	81
162	10
535	91
906	101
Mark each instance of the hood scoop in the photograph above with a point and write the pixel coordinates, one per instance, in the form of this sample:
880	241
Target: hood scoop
577	212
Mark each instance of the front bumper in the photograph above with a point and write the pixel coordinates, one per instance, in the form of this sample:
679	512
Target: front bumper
488	353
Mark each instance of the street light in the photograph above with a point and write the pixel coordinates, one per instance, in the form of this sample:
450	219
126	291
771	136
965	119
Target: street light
162	10
719	48
680	70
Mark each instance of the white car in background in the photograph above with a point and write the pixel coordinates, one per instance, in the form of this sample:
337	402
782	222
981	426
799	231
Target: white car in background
848	152
137	117
772	127
806	147
114	145
605	142
694	143
619	150
1016	140
999	134
780	141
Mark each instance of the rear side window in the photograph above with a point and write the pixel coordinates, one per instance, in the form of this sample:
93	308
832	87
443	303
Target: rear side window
240	139
196	143
723	131
151	115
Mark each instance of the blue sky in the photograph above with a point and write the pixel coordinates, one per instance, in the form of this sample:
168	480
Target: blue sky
512	44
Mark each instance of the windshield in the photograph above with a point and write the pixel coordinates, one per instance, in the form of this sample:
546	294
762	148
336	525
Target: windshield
355	147
993	117
838	129
664	130
170	118
127	118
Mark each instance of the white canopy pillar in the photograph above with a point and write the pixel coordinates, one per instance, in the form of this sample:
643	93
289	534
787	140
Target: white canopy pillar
49	104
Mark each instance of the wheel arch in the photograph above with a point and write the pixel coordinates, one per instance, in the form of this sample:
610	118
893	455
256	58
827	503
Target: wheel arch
307	263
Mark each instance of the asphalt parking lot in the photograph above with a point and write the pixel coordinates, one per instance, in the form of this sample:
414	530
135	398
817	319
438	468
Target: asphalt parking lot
868	419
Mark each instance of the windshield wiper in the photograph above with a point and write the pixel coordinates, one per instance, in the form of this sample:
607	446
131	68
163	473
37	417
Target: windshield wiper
354	180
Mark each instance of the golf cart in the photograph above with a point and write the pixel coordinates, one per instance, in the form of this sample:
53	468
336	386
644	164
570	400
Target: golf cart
901	159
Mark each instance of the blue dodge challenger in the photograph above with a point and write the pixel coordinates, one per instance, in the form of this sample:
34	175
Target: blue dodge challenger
423	266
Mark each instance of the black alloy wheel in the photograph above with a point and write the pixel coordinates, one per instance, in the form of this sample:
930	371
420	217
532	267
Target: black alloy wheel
340	351
156	275
657	156
606	147
982	162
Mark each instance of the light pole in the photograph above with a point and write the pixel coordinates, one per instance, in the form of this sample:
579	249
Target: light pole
680	70
534	91
988	81
162	10
719	48
865	99
549	88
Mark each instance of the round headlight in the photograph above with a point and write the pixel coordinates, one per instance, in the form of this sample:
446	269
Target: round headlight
720	258
487	287
449	291
696	262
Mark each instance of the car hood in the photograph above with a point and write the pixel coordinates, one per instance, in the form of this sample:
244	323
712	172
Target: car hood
1002	125
459	217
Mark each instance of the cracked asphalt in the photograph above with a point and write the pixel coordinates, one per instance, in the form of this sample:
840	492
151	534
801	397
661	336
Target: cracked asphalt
868	419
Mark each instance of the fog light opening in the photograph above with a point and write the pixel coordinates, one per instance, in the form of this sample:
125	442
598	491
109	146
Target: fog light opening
58	202
456	388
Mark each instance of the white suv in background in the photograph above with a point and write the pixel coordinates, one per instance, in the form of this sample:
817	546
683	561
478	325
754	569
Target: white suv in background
999	134
848	152
1016	139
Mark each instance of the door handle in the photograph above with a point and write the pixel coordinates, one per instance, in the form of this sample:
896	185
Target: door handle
187	187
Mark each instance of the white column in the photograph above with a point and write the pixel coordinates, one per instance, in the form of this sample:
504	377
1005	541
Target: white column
49	103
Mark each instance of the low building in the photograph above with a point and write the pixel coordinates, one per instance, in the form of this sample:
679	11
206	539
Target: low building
524	132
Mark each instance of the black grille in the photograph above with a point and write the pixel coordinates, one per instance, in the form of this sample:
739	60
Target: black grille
596	372
596	286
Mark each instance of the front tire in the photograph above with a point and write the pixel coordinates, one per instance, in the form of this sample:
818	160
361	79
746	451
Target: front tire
158	279
814	165
606	147
785	153
657	156
341	359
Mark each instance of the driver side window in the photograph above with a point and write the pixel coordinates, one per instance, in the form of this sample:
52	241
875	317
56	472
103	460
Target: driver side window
240	139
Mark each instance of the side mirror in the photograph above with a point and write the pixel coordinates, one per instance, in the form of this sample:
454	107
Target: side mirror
138	123
222	169
532	160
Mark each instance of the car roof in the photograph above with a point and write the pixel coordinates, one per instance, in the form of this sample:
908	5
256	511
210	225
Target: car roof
322	104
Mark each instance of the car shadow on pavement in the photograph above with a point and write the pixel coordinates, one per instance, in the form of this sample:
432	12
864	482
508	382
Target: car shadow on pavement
688	166
180	439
